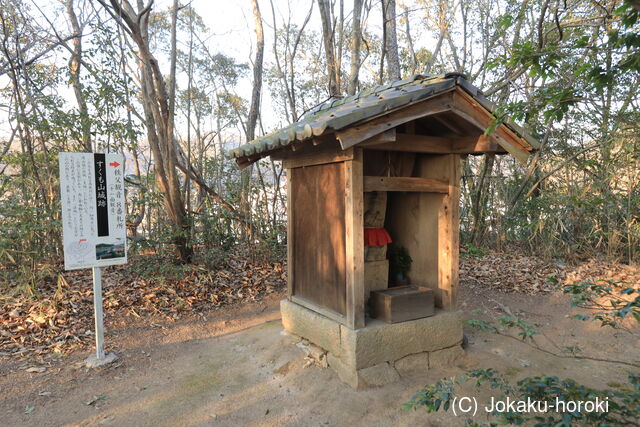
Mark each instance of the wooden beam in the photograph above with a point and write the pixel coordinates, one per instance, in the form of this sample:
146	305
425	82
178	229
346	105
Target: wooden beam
438	145
476	145
287	153
355	134
245	162
415	144
397	183
318	158
446	123
509	134
290	239
324	138
300	145
467	108
514	149
326	312
449	237
282	153
327	141
354	241
388	136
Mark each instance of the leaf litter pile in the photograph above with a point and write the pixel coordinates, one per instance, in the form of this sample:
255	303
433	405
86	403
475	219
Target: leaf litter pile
532	275
59	319
512	273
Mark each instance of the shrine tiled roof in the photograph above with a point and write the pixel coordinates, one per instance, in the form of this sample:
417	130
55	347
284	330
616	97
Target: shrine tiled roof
339	113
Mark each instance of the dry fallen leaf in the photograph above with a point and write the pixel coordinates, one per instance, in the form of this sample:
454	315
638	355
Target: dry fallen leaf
60	320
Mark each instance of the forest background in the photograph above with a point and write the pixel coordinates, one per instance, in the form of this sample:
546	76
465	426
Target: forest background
173	85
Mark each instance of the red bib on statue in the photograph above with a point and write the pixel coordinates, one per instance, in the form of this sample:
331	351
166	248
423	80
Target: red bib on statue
376	237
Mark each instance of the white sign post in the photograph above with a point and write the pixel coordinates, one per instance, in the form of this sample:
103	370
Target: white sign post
93	223
97	305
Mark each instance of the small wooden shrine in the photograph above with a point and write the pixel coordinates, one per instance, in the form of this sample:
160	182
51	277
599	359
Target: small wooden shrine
379	167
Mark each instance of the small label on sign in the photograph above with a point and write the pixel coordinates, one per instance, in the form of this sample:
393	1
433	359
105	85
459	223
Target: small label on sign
93	209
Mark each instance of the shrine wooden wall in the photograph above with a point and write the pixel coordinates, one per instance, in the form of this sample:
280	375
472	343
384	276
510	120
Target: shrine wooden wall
317	198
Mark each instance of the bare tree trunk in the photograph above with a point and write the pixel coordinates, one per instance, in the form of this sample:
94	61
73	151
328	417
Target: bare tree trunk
187	178
172	70
477	199
74	71
135	222
158	118
391	39
442	24
355	47
407	30
327	38
252	118
436	52
15	68
338	49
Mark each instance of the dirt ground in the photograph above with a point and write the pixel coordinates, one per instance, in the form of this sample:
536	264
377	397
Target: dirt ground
235	366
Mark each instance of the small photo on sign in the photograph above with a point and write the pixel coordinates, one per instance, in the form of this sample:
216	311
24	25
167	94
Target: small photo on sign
110	250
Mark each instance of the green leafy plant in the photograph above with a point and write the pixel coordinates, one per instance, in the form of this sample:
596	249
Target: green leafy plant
609	302
399	261
473	251
623	402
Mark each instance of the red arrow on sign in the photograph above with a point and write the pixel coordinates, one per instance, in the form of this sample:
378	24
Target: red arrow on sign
114	164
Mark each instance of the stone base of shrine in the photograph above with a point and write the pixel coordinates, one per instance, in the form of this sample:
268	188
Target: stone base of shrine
379	353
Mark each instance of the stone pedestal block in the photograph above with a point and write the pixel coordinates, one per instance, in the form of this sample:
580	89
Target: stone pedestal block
380	352
445	357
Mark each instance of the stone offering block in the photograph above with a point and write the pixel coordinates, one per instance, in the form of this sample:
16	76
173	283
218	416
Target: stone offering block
376	276
402	303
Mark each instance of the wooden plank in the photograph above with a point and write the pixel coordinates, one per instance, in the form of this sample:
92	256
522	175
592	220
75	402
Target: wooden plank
245	162
354	241
481	144
515	150
319	309
449	236
356	134
438	145
318	158
508	133
415	144
319	143
467	108
396	183
325	138
290	231
387	136
318	197
446	123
